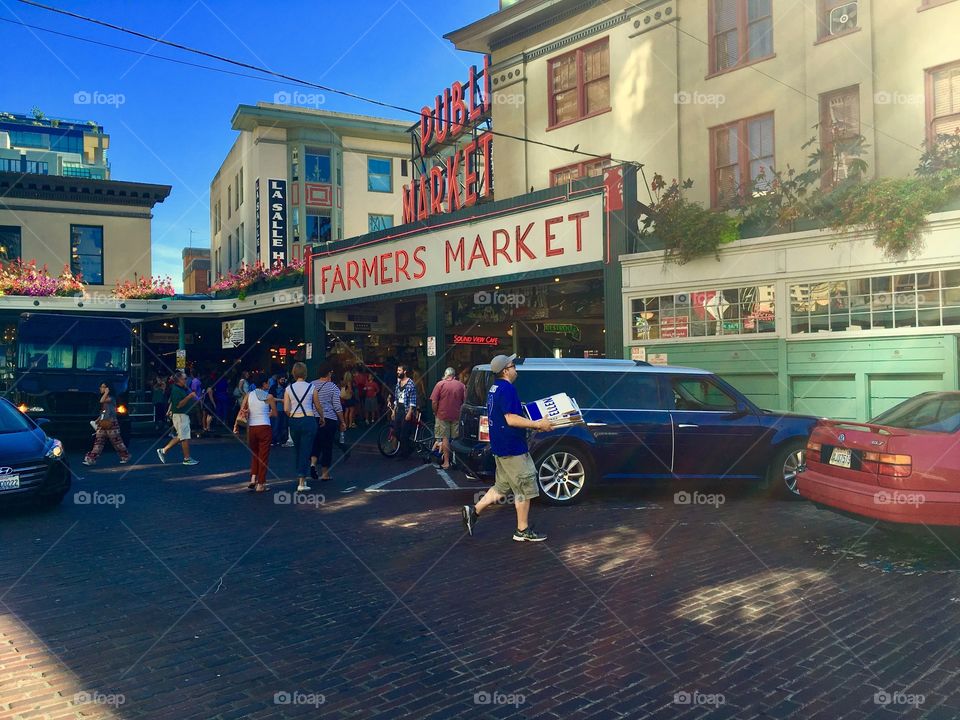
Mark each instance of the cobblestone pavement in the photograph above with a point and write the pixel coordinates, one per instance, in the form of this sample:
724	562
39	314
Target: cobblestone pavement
172	592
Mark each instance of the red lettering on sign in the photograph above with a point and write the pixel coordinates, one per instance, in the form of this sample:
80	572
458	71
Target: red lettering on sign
549	236
453	188
521	245
578	219
419	261
426	128
409	193
423	201
323	278
458	111
479	253
370	271
451	254
505	236
442	125
436	190
353	271
385	278
337	279
486	149
402	261
469	175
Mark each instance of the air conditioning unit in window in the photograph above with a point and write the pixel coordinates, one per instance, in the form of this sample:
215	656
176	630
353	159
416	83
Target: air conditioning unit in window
843	18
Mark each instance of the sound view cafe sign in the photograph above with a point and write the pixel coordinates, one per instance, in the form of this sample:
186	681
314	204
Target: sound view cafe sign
458	109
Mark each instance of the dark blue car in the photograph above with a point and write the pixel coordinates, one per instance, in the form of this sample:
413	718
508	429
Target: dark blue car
642	422
33	467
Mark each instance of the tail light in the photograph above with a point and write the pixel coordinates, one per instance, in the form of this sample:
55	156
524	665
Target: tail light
813	447
886	464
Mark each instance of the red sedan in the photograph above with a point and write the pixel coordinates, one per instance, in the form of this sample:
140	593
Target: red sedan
903	466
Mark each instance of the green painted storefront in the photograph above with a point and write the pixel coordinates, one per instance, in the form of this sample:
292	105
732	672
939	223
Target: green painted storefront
850	379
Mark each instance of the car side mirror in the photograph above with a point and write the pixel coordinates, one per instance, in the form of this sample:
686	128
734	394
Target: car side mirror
742	410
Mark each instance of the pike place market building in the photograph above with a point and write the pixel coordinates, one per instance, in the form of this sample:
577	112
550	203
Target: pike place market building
538	275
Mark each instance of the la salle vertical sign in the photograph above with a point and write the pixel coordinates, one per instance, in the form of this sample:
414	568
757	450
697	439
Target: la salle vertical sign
277	199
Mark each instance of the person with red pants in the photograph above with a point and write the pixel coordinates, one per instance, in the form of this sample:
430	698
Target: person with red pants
107	429
261	406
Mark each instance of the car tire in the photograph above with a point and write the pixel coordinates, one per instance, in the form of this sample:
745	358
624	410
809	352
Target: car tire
565	473
783	469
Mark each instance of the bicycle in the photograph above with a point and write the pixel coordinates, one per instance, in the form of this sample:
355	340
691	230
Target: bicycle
389	444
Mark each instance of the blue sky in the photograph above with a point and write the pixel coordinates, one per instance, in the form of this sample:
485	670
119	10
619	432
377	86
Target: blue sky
173	124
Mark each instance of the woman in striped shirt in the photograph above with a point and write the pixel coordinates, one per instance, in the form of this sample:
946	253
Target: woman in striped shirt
326	400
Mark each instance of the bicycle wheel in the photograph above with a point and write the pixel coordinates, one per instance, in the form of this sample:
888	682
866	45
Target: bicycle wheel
388	442
424	442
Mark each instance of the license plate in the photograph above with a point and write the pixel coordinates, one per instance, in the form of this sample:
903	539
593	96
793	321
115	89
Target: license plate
10	482
483	434
840	457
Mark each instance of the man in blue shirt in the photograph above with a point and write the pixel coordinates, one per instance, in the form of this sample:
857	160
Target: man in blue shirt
406	402
516	472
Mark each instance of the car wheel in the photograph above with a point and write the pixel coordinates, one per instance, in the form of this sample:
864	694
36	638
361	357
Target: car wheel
564	473
785	467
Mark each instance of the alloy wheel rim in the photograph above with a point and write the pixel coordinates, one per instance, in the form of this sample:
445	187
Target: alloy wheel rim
791	468
561	476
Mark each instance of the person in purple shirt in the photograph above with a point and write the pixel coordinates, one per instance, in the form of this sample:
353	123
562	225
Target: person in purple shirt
516	472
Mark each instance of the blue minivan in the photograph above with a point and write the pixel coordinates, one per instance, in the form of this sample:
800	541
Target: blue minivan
643	422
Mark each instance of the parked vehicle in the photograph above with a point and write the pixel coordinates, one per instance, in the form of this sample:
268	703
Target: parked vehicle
642	422
903	466
61	361
33	466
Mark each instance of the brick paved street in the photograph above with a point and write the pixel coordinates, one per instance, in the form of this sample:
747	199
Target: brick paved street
197	599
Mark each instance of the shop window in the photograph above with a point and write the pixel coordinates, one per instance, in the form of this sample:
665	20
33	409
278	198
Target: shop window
379	222
86	252
742	159
943	101
10	248
316	166
704	313
569	173
379	175
925	299
839	134
741	32
836	17
579	83
318	228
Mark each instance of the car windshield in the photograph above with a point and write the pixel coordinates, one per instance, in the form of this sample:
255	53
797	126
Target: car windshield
936	413
12	420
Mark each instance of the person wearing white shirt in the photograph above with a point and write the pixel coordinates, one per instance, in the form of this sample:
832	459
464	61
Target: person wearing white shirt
298	404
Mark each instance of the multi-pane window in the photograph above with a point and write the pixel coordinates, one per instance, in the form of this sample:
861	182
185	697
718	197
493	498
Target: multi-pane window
742	158
839	131
316	166
38	167
86	252
380	222
580	83
836	17
10	248
569	173
704	313
741	32
379	174
921	299
943	100
318	228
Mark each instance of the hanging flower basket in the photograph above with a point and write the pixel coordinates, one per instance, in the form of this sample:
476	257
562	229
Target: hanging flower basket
144	289
251	279
20	278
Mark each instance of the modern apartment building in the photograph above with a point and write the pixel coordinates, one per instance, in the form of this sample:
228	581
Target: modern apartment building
298	176
38	145
725	92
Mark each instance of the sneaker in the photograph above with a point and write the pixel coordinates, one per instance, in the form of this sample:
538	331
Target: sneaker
124	462
87	462
528	535
313	472
303	488
288	443
191	461
468	514
162	455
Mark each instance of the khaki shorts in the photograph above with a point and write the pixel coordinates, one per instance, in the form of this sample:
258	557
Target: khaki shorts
181	423
518	475
446	428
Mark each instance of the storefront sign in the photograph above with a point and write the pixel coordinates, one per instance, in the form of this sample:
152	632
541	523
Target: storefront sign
638	354
657	358
459	108
548	238
562	329
309	351
476	340
674	326
256	194
432	346
232	334
278	221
